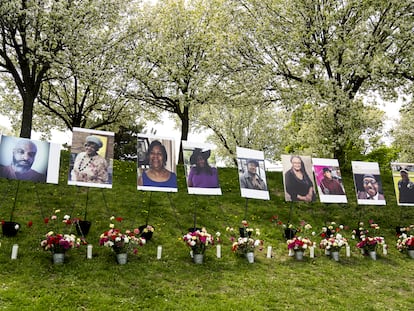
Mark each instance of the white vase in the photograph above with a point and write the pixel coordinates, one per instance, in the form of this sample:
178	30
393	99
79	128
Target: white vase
58	258
335	255
198	258
299	255
410	253
122	258
373	255
250	257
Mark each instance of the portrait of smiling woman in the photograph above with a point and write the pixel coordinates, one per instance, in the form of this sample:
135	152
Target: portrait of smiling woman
155	172
91	158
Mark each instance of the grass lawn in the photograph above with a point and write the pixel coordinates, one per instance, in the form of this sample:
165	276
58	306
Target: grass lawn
33	282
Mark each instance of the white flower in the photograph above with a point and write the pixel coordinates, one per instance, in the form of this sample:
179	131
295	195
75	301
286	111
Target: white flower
57	211
16	227
112	218
66	217
218	234
111	226
341	227
118	239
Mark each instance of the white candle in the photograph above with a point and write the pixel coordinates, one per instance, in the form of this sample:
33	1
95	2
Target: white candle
348	251
89	251
218	251
312	252
269	252
159	251
291	252
15	250
384	249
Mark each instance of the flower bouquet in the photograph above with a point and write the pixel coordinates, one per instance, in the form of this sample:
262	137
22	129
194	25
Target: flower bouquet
368	242
405	242
298	245
59	243
245	245
121	242
332	240
333	245
198	241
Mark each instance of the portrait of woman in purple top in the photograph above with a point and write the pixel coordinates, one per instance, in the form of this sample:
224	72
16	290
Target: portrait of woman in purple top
202	175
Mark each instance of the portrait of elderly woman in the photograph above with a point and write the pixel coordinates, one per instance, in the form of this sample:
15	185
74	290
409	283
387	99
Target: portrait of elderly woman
91	158
155	174
89	166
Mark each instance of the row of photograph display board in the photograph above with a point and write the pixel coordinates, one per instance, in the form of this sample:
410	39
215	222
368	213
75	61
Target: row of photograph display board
91	165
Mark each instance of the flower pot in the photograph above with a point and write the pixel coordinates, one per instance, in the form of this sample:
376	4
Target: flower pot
289	233
410	253
198	258
250	257
335	255
244	233
82	227
194	229
122	258
58	258
373	255
10	228
299	255
146	235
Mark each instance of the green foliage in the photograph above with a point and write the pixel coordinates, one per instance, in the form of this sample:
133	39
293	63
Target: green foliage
32	282
125	145
403	134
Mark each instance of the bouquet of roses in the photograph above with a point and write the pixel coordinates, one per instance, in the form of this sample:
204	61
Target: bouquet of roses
198	240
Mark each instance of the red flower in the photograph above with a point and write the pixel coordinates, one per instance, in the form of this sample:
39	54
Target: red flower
119	219
30	223
46	220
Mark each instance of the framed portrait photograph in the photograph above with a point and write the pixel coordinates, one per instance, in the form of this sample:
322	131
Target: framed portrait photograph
156	165
29	160
91	158
252	174
200	168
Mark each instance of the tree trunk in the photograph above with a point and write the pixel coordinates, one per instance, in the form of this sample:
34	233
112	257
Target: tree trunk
185	125
27	116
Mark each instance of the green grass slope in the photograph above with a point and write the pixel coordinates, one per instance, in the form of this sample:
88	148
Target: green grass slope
32	282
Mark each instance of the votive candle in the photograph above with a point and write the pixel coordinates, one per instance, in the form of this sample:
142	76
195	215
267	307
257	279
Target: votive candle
385	249
218	251
269	252
15	250
89	251
348	251
159	251
312	252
